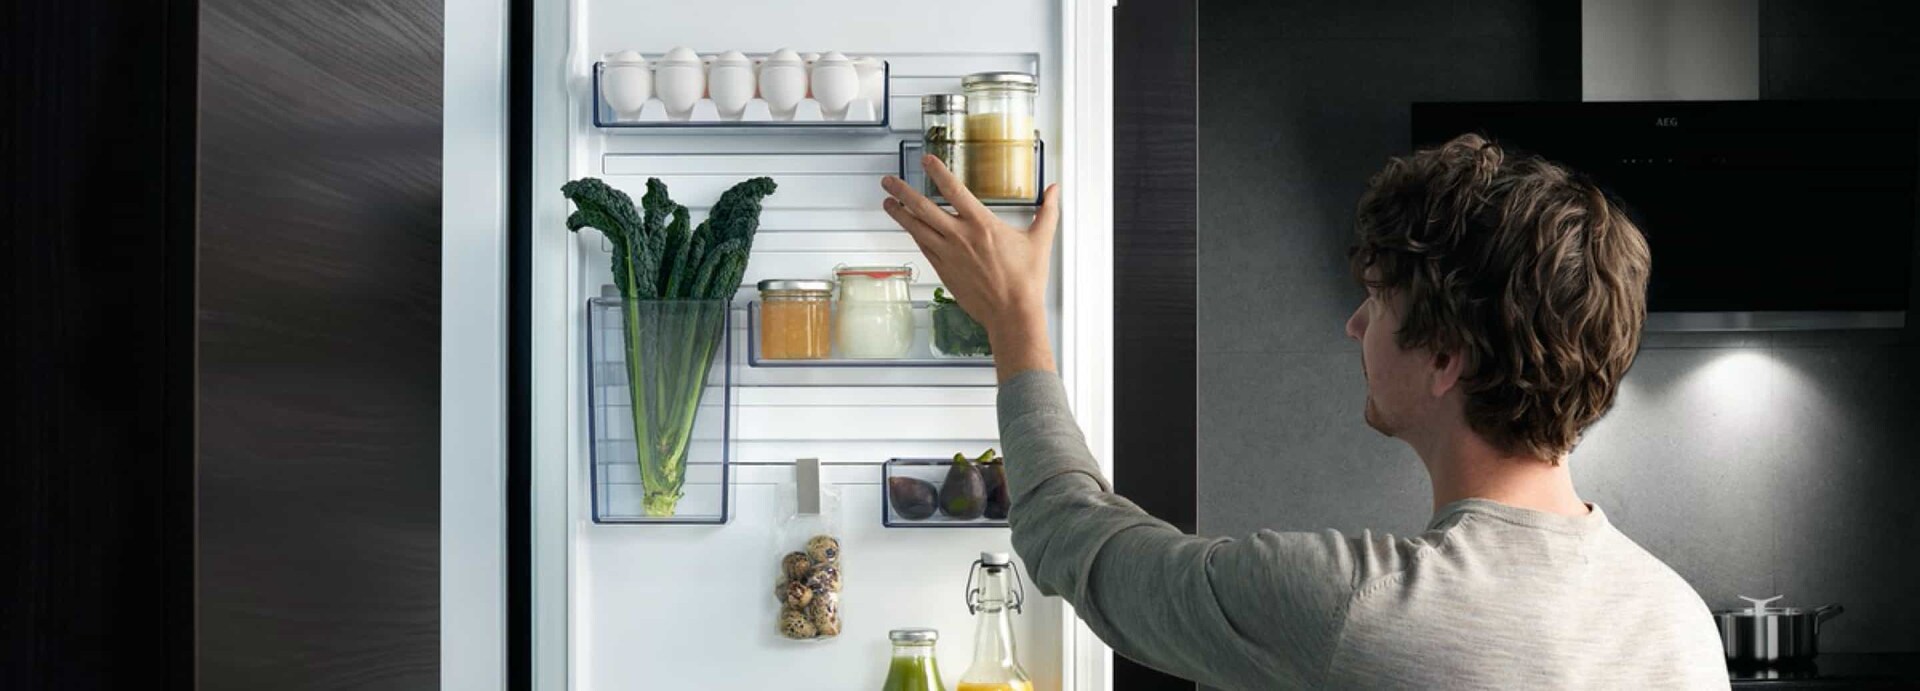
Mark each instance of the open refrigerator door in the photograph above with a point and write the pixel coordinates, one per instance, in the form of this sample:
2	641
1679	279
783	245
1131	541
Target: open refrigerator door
625	598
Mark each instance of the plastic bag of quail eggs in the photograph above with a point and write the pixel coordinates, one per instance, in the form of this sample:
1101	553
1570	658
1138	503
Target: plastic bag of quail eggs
808	578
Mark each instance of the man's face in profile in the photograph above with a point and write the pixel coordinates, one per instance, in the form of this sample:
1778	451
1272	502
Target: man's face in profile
1395	377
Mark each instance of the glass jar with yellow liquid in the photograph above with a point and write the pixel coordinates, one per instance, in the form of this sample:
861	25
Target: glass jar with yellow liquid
992	600
1000	136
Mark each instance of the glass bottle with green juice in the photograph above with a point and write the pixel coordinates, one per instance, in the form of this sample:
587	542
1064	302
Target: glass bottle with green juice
913	667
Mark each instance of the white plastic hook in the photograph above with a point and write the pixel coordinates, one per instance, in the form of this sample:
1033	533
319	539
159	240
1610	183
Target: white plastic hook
806	480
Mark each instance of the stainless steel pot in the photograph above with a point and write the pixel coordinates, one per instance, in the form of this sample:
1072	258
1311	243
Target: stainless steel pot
1764	635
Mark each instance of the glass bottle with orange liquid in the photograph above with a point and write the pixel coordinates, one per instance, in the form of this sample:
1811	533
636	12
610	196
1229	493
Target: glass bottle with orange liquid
992	600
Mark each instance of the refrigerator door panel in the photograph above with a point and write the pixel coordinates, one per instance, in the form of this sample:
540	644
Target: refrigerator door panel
622	606
693	607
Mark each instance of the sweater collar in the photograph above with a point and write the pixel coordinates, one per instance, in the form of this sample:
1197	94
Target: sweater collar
1576	525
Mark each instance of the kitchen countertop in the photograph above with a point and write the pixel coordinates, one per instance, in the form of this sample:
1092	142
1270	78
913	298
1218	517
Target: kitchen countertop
1842	670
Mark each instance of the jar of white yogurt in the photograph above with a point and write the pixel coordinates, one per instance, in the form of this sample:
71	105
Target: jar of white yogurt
874	318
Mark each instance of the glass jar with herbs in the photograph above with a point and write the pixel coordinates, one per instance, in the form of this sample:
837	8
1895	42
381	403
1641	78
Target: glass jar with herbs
944	117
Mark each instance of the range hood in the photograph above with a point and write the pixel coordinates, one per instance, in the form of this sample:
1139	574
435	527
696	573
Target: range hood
1762	215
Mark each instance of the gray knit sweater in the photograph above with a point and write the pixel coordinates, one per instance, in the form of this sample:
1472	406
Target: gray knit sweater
1489	597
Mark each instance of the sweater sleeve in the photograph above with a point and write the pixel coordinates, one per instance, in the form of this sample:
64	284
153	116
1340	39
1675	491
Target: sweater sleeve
1252	613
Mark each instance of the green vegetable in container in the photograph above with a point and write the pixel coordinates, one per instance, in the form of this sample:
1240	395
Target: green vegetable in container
955	333
676	285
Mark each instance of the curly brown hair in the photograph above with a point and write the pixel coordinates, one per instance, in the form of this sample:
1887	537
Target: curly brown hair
1521	265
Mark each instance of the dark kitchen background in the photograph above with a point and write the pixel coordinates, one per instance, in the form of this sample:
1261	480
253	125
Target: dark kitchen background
1754	464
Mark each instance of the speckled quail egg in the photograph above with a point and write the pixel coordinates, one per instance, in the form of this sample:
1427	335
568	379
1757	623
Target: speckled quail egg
796	565
825	578
794	624
823	549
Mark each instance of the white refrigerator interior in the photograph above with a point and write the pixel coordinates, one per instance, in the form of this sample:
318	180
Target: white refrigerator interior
624	606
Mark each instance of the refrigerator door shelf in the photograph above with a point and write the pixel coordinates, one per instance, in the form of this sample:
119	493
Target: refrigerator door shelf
863	116
617	486
921	354
932	471
915	175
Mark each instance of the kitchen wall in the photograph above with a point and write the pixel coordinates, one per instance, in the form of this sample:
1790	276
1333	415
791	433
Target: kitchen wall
1754	465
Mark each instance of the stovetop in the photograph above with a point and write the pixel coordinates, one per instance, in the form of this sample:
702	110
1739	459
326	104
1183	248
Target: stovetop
1836	671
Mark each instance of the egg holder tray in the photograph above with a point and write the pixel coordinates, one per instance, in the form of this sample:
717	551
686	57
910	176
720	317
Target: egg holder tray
915	176
862	116
921	354
933	470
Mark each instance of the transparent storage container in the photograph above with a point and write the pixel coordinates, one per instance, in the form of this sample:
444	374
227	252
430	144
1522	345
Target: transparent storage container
933	471
1001	131
956	334
864	117
622	491
795	320
919	354
874	318
943	119
915	175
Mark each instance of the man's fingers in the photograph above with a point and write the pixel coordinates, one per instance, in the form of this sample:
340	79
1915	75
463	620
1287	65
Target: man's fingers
919	205
1047	221
931	242
956	192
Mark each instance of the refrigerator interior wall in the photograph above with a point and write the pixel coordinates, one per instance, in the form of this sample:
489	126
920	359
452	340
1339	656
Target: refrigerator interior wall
691	606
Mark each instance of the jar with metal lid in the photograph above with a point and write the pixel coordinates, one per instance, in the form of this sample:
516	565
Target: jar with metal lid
943	118
999	153
874	318
795	319
913	667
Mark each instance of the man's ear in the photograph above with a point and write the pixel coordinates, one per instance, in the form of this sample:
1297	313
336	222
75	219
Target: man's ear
1445	372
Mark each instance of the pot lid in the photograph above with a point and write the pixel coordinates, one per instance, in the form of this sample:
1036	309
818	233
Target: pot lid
1763	607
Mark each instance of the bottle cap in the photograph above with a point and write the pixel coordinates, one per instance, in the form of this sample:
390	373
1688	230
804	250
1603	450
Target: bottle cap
913	635
995	558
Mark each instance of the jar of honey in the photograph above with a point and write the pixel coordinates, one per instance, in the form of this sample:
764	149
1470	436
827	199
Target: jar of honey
795	319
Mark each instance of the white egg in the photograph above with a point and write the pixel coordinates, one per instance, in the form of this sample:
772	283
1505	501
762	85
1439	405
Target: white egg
783	84
679	85
730	82
626	86
835	84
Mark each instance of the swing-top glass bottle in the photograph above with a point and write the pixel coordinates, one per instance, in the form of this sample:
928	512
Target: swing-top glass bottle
994	593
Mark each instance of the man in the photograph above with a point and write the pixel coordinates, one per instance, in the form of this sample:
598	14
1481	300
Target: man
1505	299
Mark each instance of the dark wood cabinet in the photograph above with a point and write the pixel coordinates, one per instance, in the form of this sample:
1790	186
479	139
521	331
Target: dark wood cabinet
220	345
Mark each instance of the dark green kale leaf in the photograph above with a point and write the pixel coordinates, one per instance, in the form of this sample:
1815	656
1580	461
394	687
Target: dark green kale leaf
954	331
678	237
736	217
709	282
600	206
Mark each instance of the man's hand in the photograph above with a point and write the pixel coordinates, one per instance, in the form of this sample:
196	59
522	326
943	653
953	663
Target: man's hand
996	271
